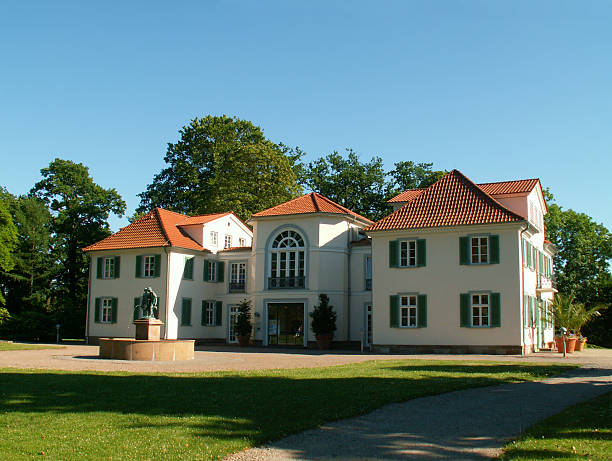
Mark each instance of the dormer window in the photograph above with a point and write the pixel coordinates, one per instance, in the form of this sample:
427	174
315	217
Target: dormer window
287	261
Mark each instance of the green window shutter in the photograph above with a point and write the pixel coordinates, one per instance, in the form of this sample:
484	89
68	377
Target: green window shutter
422	311
99	262
97	310
525	311
524	247
188	270
186	312
541	262
530	324
157	265
220	271
136	309
394	311
537	312
464	251
421	252
529	255
138	266
117	266
393	253
495	310
114	310
494	249
206	271
203	317
464	317
218	313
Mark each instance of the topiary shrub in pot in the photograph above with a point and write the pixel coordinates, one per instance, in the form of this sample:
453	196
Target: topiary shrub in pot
323	322
243	323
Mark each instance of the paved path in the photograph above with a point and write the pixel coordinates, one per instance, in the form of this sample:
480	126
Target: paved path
469	424
234	358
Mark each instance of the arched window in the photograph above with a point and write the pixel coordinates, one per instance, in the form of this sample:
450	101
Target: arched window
287	261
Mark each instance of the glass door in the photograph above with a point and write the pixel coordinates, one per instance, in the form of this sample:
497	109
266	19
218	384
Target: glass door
368	335
233	315
286	324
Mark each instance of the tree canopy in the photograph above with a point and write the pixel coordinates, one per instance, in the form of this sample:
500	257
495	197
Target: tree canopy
223	164
80	209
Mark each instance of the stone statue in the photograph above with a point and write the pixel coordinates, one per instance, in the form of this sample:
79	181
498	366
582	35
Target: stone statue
148	304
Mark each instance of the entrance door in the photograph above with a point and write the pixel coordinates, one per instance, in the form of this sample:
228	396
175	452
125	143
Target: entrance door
368	333
231	333
286	324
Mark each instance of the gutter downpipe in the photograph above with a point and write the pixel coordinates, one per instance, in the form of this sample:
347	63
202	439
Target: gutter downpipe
522	298
167	291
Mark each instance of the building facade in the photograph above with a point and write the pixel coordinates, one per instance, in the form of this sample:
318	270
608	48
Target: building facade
456	267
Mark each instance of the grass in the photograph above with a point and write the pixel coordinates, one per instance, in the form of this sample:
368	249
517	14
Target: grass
22	347
95	415
583	431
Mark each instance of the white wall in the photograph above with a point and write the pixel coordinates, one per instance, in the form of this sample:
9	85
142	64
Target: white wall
443	279
226	225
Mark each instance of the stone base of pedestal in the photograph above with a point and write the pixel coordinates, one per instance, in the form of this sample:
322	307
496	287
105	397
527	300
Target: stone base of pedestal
148	329
133	349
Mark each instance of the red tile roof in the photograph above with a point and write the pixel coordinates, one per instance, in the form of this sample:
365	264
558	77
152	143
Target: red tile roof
236	249
309	203
202	219
453	200
521	186
407	195
158	228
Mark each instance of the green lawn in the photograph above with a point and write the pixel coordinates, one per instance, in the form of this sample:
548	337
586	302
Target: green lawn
86	415
583	431
23	347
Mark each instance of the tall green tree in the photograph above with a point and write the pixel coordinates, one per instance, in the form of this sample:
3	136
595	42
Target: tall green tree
80	209
409	175
29	282
8	241
220	164
360	187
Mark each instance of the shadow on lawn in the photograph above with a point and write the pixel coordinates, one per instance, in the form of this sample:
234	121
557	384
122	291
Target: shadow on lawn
258	407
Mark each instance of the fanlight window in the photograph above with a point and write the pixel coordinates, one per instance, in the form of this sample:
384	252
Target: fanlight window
287	261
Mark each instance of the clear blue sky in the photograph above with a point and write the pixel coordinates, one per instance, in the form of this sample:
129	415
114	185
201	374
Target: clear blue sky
499	90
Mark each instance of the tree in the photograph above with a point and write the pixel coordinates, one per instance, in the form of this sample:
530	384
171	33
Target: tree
221	164
360	187
80	210
8	242
409	175
29	282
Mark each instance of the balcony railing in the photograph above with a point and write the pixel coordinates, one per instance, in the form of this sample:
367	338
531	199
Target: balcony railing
545	283
368	284
286	283
237	287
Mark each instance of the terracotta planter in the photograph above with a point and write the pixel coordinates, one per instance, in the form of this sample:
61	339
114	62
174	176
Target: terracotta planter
324	341
570	344
244	341
580	343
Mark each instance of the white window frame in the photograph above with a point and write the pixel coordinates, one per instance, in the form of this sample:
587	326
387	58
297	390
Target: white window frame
150	266
241	267
241	241
212	271
209	311
282	254
480	306
228	241
108	268
214	238
407	306
106	310
409	247
479	252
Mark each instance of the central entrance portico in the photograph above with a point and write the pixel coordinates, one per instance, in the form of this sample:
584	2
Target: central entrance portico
285	324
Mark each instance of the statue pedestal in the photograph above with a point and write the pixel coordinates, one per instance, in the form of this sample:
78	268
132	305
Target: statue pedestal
148	329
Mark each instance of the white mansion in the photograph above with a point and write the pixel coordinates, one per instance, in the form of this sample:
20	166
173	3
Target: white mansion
456	267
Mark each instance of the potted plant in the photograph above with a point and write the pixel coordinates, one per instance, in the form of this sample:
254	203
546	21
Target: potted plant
243	325
323	322
573	316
